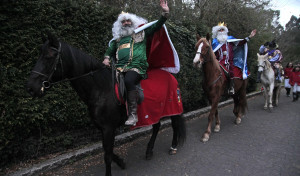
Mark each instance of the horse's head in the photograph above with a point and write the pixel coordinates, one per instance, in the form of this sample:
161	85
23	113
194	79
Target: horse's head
46	69
202	50
262	61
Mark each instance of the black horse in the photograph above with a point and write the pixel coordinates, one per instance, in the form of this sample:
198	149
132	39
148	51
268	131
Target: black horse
93	82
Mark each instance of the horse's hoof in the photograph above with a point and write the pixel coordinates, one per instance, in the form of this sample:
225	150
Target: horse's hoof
217	128
149	155
205	138
121	164
265	108
238	121
172	151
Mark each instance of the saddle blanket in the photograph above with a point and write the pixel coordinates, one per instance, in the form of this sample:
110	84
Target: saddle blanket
162	98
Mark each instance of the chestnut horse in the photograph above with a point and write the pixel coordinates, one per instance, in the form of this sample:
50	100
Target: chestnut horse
215	83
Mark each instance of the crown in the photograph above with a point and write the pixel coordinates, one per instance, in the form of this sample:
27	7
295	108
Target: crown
221	24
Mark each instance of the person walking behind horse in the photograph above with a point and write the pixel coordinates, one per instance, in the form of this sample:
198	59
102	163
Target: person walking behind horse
287	74
295	82
130	51
223	49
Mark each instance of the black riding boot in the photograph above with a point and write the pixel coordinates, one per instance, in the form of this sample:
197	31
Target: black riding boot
294	96
231	87
258	77
278	75
132	108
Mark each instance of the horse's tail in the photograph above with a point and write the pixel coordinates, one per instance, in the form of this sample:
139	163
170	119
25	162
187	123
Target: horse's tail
178	124
243	100
244	105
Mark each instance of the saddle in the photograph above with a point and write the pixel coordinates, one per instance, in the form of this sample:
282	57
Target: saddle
120	89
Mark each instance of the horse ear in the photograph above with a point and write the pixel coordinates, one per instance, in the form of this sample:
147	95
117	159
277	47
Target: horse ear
198	37
207	36
258	54
52	40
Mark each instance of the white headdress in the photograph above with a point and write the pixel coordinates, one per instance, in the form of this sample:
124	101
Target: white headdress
136	22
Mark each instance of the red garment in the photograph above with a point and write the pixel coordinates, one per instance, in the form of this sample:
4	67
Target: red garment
236	71
162	98
159	51
228	62
288	72
295	78
223	51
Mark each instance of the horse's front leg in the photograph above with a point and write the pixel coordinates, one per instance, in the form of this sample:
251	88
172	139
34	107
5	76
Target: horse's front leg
211	115
150	146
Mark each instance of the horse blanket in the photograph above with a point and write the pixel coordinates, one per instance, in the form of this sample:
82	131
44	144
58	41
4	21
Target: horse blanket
162	98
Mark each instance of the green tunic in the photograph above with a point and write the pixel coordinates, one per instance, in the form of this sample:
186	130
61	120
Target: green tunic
130	51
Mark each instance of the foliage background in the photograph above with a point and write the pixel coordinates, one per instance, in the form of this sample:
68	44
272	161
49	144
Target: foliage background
31	128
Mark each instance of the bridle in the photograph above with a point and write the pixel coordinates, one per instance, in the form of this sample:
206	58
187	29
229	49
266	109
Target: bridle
204	56
205	60
47	84
263	66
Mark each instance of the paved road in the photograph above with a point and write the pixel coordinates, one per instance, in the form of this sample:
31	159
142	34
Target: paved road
264	144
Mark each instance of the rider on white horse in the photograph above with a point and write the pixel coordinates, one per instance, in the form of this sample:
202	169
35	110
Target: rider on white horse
274	57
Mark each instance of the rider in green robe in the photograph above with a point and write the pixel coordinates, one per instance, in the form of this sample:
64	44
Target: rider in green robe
129	48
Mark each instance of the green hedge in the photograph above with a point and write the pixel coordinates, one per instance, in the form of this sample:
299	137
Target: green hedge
33	127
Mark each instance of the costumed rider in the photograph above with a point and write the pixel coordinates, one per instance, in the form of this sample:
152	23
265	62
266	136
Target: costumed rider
230	52
275	57
129	48
264	48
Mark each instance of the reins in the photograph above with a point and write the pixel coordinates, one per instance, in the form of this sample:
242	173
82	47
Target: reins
113	70
210	60
47	84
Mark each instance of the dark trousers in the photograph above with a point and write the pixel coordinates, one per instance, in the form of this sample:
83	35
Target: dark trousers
131	79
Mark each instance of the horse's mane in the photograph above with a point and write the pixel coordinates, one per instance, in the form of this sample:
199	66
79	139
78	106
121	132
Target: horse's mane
84	58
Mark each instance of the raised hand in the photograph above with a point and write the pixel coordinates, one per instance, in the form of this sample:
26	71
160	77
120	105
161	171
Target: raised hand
164	5
252	33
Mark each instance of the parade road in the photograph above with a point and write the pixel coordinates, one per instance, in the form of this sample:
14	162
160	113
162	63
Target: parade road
264	144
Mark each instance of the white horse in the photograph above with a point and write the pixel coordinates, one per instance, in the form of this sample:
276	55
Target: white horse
271	88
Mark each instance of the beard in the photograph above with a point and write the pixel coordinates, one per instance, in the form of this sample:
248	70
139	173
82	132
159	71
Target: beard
222	37
127	30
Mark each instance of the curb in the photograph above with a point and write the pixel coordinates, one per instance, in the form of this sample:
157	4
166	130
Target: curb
119	140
